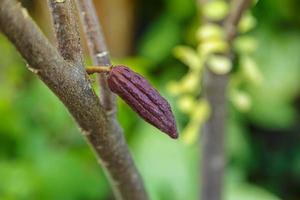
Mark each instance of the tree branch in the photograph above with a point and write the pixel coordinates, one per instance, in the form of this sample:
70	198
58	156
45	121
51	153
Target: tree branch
213	156
71	84
97	50
231	23
66	30
100	56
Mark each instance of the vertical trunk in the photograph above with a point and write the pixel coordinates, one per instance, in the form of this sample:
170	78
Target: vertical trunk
213	155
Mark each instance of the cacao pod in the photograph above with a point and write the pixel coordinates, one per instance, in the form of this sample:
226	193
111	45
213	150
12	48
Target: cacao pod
136	91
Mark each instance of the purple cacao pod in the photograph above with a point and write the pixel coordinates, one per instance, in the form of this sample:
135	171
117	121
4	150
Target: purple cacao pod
136	91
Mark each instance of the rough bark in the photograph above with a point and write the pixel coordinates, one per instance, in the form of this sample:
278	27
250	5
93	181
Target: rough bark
66	30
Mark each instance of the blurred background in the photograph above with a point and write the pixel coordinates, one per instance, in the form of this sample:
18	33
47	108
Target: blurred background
44	156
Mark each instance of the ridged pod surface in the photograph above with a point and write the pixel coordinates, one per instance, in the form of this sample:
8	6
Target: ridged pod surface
137	92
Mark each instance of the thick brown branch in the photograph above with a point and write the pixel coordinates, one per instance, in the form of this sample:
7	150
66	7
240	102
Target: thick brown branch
97	49
213	156
66	29
71	84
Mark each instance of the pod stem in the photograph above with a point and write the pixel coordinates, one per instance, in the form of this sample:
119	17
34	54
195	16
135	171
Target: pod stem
97	69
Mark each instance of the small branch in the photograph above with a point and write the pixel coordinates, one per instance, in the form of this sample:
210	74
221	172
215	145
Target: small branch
100	57
213	156
97	49
231	23
66	29
93	30
71	85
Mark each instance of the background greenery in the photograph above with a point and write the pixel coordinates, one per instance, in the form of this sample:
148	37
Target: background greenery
43	155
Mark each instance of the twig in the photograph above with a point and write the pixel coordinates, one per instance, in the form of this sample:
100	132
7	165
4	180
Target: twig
66	30
230	24
97	49
71	85
100	56
213	156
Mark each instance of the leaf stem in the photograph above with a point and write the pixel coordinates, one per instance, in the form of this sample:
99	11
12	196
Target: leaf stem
97	69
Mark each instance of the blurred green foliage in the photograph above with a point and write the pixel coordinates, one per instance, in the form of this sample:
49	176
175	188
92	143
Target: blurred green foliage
43	155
